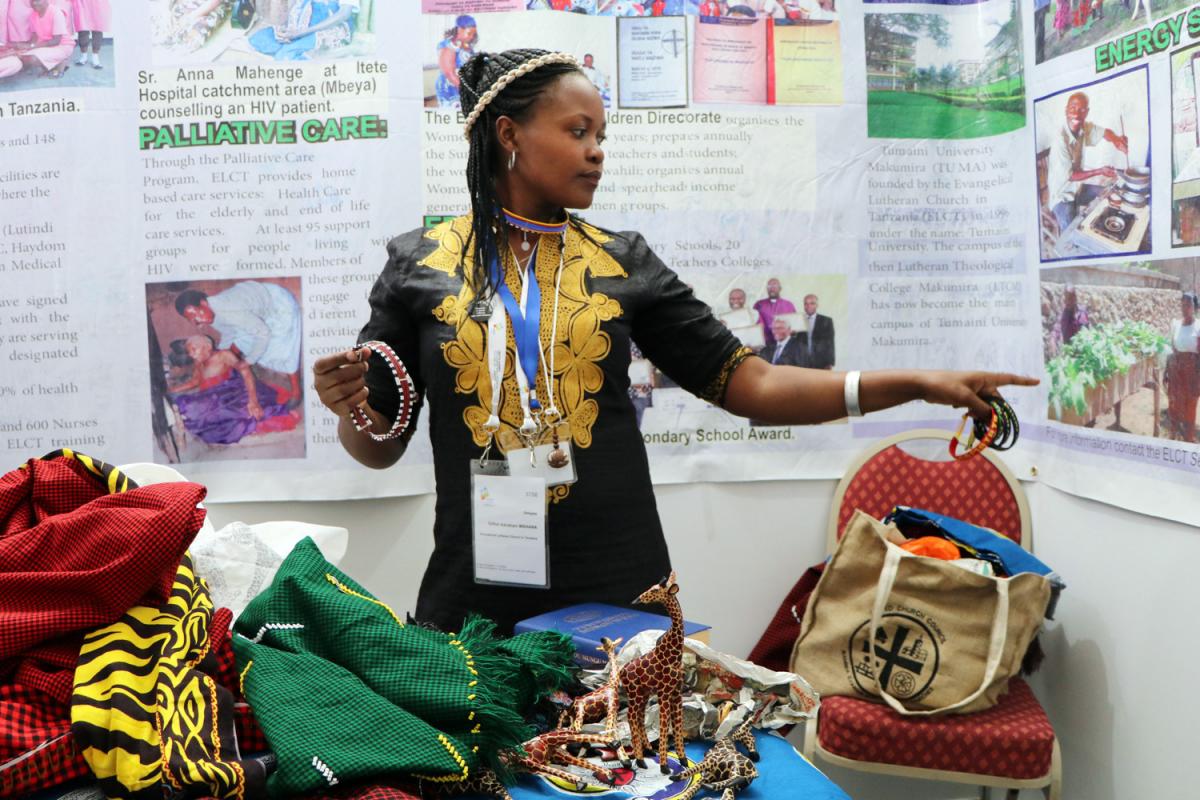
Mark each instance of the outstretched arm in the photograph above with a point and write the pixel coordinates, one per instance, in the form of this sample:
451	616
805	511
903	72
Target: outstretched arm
785	395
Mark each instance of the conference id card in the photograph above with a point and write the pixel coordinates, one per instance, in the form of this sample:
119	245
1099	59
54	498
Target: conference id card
508	531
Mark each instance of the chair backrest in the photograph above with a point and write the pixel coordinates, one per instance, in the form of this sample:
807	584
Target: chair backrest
980	490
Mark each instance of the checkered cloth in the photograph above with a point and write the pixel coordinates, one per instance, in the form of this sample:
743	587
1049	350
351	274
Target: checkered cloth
79	544
73	556
345	691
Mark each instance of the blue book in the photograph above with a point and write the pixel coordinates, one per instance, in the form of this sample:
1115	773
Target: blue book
589	622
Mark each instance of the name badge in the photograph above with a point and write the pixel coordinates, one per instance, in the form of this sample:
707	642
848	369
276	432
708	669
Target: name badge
508	516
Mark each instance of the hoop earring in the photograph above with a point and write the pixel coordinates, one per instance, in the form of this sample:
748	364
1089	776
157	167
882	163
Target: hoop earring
512	160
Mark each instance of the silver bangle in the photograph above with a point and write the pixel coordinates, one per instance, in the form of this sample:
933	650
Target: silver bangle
850	393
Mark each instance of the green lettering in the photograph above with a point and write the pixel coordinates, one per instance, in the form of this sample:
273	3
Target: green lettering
1175	23
1160	36
1128	48
1143	42
1193	22
145	135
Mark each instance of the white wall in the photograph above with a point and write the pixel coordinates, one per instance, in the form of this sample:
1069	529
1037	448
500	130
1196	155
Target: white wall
1118	678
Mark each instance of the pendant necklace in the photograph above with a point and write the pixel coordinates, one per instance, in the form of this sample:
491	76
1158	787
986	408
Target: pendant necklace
527	226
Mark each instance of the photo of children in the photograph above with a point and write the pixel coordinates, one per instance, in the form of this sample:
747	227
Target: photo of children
952	72
1079	24
253	31
1092	147
453	39
225	369
1185	148
63	41
1120	346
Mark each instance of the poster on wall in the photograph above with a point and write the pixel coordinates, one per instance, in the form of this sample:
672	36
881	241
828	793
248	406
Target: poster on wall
196	199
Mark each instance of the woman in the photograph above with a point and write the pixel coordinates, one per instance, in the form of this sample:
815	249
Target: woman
313	26
50	47
1183	371
455	49
535	151
92	18
223	402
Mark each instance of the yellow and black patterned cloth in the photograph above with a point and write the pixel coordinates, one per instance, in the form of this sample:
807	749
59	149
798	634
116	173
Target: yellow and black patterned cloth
146	712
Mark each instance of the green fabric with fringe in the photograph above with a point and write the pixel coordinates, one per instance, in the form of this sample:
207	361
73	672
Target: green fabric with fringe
343	689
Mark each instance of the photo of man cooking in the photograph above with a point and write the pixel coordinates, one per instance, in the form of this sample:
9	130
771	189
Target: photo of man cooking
1093	168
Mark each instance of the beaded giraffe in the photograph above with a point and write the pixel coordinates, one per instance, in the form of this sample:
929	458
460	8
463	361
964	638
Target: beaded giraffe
658	672
601	704
724	769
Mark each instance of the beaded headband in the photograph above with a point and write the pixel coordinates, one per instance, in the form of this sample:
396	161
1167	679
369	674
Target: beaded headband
504	80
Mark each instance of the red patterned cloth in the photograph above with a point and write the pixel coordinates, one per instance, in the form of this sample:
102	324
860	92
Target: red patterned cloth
76	551
250	736
1013	739
972	490
73	557
774	648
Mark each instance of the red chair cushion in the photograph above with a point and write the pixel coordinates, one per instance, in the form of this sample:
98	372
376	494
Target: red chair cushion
1013	739
972	490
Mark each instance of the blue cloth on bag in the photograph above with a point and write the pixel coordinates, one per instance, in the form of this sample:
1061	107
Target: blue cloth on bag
1003	553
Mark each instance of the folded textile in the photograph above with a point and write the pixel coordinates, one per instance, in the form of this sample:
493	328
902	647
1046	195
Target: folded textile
346	691
79	544
147	713
73	556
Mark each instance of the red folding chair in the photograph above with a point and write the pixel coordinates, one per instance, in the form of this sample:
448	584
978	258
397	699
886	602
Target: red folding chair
1011	745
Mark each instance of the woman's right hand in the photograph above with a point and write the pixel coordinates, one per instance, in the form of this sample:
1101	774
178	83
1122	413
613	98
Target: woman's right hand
340	380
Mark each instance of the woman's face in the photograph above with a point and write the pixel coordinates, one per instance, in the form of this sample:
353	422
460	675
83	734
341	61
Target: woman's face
559	155
199	348
465	35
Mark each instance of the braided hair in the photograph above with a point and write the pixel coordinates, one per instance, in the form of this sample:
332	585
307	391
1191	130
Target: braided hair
515	101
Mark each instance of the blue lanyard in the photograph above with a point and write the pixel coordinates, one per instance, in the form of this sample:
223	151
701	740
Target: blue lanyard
526	327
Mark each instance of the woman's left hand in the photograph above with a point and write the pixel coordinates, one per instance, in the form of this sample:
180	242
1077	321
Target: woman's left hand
967	389
255	410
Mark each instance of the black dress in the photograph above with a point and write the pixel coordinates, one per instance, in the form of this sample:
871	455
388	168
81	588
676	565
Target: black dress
606	542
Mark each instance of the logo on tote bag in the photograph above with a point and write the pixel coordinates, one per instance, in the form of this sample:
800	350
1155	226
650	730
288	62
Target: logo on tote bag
904	656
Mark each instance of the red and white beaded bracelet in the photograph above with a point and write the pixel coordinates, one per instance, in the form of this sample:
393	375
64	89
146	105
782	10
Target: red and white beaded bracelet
404	384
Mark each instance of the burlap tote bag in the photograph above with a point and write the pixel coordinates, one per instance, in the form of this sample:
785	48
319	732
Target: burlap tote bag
945	639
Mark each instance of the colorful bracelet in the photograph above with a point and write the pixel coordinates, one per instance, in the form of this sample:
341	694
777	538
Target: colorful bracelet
1008	426
404	384
980	444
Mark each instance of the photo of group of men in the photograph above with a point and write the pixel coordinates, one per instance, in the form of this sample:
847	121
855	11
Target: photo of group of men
780	332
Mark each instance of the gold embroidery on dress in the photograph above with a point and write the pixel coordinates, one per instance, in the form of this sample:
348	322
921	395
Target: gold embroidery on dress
579	347
715	391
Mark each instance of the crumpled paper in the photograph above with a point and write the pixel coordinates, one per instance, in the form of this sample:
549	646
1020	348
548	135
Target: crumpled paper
721	691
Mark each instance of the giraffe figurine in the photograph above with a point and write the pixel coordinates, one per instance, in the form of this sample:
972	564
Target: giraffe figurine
724	769
601	704
658	673
546	750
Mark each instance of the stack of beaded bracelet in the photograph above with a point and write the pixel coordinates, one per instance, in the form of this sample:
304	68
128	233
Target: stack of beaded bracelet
975	446
1009	429
404	385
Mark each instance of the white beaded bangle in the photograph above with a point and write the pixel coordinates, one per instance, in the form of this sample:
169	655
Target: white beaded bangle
404	384
850	393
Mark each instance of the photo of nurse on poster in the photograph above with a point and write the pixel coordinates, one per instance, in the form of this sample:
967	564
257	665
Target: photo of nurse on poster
225	369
